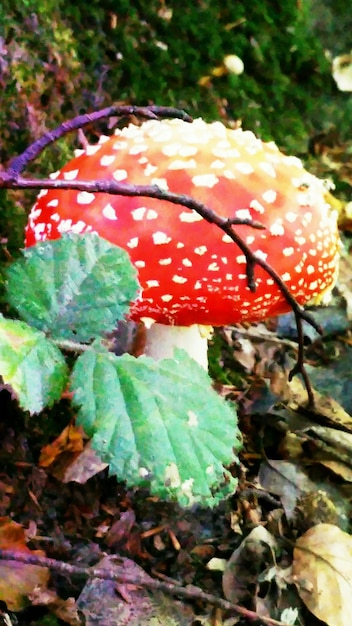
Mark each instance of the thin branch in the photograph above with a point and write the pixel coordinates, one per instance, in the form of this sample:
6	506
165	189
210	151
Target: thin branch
19	163
191	593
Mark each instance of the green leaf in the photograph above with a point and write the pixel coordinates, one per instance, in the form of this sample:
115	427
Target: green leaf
157	423
31	364
73	288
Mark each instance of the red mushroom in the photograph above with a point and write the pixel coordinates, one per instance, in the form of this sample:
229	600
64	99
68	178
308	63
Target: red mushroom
191	273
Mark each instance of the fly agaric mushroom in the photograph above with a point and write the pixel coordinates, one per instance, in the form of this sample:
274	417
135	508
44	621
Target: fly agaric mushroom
190	272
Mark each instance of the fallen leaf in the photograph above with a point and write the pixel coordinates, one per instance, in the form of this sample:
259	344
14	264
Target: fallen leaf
69	440
322	572
18	580
108	602
252	557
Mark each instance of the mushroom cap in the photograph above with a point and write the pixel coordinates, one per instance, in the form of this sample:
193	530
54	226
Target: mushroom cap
189	270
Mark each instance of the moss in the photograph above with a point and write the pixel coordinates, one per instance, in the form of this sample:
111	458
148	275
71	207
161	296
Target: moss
60	58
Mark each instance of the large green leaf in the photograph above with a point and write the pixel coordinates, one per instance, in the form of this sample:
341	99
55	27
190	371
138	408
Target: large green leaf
73	288
157	423
31	364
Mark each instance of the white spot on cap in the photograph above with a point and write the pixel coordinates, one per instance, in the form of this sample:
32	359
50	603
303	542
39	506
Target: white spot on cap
53	202
310	269
244	168
84	197
179	279
153	283
200	250
286	276
150	169
186	262
166	298
71	175
267	168
160	238
180	244
170	149
292	160
43	192
198	285
229	174
55	217
277	229
90	150
119	175
291	217
142	212
243	214
256	206
190	216
119	145
133	243
54	175
139	264
109	212
181	164
160	182
217	164
288	251
148	321
186	151
228	276
78	227
165	261
205	180
107	160
269	196
138	214
213	267
261	255
137	148
64	226
241	258
103	139
313	285
226	239
250	239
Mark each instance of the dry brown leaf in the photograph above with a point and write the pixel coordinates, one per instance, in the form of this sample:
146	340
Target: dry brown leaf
83	467
108	602
70	440
322	572
325	409
65	610
339	469
18	580
251	558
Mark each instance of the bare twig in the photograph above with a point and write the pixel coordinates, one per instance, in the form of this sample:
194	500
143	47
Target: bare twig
18	164
191	593
11	178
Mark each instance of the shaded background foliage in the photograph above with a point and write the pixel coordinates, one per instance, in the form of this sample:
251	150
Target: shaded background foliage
59	58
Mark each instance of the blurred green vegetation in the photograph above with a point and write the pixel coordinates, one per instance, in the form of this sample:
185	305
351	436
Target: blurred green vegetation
59	58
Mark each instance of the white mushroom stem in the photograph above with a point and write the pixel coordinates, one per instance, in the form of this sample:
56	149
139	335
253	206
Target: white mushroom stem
161	340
